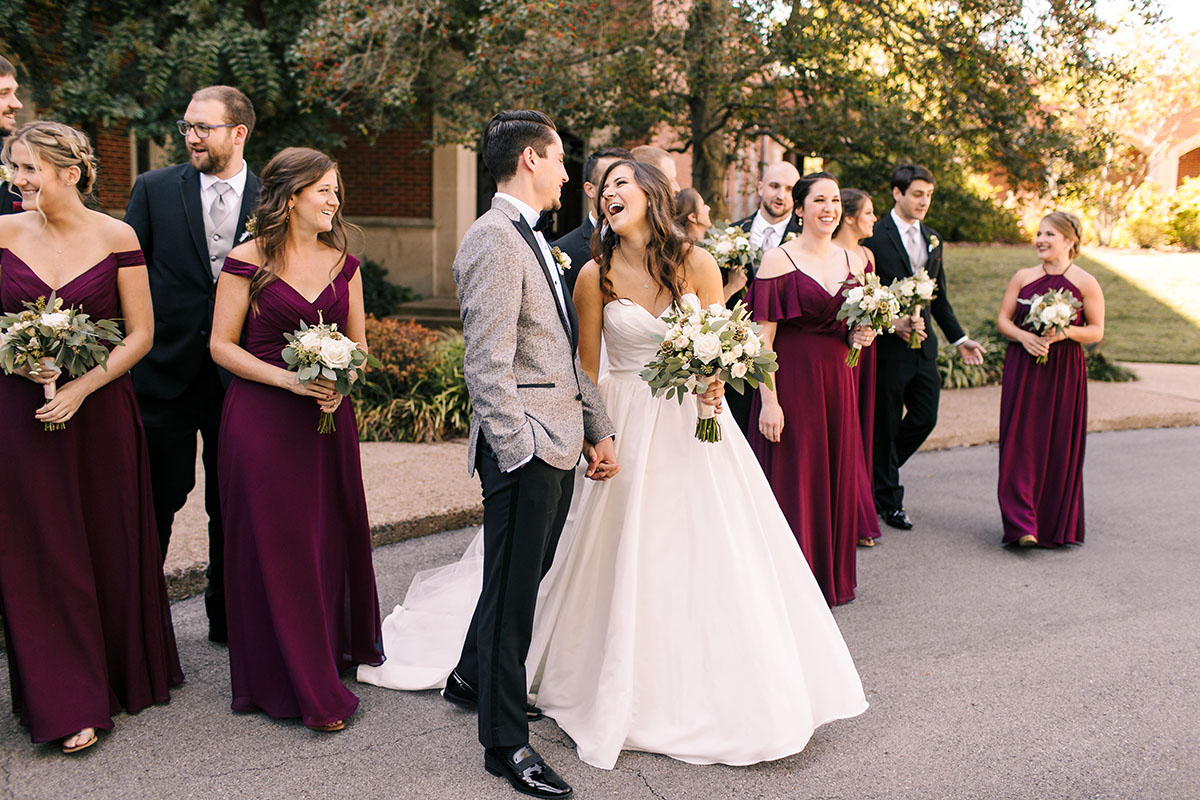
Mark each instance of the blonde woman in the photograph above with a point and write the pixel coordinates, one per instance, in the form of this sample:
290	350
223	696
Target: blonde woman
82	591
1043	407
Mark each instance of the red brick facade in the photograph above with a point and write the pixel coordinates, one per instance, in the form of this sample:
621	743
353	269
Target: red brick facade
116	167
1189	165
393	177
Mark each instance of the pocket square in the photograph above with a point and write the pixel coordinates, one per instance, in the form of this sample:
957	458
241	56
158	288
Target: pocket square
245	235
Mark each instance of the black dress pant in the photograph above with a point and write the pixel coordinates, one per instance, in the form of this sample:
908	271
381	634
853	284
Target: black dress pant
523	515
906	407
171	428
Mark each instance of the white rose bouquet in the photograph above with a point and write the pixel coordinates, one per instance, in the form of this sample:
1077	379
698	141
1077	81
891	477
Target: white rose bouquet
913	292
1054	310
701	345
47	336
321	351
730	246
868	304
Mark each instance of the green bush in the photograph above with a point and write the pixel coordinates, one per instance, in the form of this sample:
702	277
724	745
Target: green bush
1184	223
1146	221
420	393
381	296
1100	368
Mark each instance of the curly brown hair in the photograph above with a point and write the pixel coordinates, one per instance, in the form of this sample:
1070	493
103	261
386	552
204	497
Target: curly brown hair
668	249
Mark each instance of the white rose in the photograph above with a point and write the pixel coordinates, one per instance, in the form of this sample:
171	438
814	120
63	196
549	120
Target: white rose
718	310
708	347
57	320
691	303
724	247
742	243
311	340
680	342
906	287
753	347
737	351
738	370
336	352
855	295
727	358
1049	315
925	290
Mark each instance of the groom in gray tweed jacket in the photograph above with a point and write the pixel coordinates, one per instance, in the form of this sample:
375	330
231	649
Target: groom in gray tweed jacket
534	412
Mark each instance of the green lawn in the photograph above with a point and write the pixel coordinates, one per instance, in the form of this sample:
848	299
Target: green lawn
1138	326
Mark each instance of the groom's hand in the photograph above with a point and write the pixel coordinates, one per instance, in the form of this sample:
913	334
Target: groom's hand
602	460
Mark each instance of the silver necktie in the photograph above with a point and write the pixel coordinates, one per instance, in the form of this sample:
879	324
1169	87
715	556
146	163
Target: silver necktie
219	209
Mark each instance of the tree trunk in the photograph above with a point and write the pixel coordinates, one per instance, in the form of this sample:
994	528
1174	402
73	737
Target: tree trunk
709	160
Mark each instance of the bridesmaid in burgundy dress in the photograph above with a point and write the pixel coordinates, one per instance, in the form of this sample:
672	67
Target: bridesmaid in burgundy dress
86	616
1043	407
809	436
299	581
858	223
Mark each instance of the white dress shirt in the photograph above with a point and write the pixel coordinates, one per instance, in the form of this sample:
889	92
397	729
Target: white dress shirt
918	256
238	183
760	225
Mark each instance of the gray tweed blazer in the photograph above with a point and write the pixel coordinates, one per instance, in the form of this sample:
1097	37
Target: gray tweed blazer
529	394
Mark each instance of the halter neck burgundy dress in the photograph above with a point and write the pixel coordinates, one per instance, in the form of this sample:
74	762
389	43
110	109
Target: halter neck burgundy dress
86	615
299	583
1043	431
818	468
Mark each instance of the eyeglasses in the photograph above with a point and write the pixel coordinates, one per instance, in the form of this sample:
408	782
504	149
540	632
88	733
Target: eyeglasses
202	130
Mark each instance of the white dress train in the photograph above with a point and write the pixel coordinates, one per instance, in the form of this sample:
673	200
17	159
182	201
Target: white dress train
679	617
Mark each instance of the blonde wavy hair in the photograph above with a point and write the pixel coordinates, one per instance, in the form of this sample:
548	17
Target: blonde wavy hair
1069	226
56	145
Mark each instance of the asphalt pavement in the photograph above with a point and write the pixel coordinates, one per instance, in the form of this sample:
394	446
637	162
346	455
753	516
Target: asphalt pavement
992	673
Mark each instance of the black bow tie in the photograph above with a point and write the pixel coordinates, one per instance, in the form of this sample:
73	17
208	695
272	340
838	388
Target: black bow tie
545	222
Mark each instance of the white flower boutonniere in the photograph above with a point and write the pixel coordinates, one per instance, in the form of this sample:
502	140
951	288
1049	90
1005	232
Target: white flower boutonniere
6	175
251	227
561	259
934	241
790	236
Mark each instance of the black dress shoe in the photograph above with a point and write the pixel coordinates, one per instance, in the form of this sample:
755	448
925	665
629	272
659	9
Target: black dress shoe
526	771
461	693
897	519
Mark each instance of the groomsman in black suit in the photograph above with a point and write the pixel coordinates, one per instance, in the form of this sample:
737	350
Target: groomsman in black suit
10	201
767	227
188	217
907	384
577	244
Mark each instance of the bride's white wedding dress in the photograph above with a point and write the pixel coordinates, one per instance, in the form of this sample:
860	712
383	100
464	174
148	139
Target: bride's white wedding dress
679	617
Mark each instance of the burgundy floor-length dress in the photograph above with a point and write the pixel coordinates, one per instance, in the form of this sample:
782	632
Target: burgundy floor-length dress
300	586
868	526
817	469
1043	430
86	615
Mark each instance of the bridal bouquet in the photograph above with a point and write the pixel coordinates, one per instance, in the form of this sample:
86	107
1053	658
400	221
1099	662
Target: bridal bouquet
1054	310
47	336
730	246
321	351
913	292
868	304
705	344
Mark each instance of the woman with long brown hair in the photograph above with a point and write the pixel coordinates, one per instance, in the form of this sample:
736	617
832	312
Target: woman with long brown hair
300	587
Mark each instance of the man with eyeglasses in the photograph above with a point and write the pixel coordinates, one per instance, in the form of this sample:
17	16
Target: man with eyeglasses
188	217
10	199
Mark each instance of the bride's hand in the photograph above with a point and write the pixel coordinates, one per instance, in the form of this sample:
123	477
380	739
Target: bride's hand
602	460
712	396
770	422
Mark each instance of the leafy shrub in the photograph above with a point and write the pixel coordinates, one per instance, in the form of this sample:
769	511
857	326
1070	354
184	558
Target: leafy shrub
1100	368
1184	223
381	296
420	394
1146	222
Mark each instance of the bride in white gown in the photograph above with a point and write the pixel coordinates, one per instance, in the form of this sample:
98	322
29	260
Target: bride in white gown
680	616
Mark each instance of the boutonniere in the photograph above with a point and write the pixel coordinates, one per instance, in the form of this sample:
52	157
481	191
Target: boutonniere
251	229
791	235
6	175
561	259
934	241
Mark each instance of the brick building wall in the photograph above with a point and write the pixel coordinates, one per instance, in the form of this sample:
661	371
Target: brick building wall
1189	165
392	177
115	166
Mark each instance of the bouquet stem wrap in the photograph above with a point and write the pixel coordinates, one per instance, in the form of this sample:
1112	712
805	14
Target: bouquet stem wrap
914	341
707	427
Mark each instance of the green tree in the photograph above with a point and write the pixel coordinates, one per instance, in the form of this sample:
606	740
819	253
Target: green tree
861	82
91	62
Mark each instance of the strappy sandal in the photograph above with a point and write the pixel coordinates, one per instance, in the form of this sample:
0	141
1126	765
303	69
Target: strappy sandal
82	745
1028	540
329	727
866	541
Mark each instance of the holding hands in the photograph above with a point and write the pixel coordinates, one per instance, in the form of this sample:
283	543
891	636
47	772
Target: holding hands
602	460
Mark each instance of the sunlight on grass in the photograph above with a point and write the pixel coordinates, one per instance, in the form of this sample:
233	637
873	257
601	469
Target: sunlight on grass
1172	278
1139	326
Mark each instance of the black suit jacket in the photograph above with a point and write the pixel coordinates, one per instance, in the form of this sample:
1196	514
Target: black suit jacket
578	246
165	211
745	223
8	196
891	262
